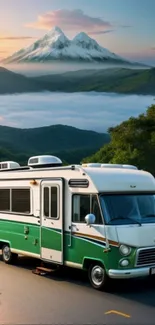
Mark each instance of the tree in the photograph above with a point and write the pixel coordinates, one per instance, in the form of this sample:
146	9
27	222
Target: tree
132	142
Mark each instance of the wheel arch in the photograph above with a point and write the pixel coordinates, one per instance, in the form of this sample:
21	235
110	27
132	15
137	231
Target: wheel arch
3	242
87	261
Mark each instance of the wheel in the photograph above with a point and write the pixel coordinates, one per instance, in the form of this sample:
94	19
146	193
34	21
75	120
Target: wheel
7	256
98	277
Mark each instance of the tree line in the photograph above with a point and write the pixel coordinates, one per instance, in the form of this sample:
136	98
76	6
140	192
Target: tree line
132	142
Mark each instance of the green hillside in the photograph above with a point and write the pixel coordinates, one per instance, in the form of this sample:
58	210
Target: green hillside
118	80
127	81
11	83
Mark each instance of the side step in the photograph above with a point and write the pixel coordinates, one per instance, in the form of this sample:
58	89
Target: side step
42	270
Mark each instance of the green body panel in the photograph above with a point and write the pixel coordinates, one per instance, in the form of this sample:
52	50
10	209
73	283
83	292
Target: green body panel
21	236
51	238
113	257
26	238
82	250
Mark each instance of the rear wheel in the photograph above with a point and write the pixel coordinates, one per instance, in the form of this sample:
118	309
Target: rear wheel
98	277
7	256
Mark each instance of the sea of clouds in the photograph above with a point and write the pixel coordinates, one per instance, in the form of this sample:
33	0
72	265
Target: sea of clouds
91	111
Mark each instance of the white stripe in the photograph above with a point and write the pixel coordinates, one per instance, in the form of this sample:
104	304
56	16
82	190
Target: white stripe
19	218
25	253
72	264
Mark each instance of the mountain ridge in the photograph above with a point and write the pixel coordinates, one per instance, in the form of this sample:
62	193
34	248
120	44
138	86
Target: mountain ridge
56	46
114	80
67	142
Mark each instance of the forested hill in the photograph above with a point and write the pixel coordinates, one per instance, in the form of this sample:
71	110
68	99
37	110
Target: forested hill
69	143
118	80
132	142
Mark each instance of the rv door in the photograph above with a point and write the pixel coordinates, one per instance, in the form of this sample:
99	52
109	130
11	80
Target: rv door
52	220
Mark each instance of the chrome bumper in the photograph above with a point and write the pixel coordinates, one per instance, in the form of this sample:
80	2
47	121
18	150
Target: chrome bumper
130	273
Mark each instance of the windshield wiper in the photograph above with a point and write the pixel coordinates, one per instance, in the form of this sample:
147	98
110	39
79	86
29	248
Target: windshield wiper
122	218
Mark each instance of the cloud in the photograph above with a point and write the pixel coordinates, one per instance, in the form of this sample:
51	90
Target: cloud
153	48
15	38
100	32
70	20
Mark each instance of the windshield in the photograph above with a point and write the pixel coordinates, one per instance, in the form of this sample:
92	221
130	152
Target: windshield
128	209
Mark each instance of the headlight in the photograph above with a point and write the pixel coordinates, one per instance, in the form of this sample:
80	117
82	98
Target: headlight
125	250
124	262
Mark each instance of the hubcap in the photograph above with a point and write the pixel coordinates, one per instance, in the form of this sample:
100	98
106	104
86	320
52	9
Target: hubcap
97	275
6	253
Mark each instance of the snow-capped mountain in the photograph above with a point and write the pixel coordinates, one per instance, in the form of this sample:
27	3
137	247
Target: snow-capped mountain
56	46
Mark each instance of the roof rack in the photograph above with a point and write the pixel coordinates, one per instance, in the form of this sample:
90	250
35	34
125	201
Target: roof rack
71	167
15	169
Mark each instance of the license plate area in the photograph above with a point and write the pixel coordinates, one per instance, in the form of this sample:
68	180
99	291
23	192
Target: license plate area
152	270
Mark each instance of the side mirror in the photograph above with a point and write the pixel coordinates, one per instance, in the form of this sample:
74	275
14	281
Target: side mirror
90	219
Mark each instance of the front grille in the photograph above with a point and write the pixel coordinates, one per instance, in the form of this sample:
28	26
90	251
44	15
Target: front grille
145	257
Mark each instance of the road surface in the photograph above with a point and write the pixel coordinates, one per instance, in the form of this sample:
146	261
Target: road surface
67	298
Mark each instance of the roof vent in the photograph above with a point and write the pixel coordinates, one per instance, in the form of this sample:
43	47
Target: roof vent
91	165
44	161
129	167
4	165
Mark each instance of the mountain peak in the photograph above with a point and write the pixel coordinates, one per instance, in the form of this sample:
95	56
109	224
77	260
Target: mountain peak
54	45
56	29
82	37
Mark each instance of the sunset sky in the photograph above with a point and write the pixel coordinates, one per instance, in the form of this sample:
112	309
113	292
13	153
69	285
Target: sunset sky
126	27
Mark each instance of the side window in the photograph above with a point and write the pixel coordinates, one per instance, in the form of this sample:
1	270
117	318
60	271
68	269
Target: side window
46	202
83	205
4	199
54	202
50	205
20	200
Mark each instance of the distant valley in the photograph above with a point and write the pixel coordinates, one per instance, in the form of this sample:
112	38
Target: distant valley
118	80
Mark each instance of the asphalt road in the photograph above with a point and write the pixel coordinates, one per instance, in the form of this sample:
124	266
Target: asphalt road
67	298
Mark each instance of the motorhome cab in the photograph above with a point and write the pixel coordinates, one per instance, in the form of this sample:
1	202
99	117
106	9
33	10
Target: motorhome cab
95	217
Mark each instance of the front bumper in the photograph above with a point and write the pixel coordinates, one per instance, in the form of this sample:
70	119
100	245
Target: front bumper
130	273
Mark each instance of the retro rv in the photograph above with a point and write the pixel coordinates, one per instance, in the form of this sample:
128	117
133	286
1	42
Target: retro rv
95	217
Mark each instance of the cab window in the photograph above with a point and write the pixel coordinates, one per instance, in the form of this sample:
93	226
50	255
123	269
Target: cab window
83	205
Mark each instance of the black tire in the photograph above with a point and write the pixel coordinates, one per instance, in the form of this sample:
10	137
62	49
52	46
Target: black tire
7	256
98	277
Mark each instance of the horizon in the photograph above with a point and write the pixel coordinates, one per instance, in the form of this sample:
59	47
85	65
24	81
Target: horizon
123	28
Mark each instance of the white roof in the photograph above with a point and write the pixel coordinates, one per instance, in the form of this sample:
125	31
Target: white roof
117	179
100	179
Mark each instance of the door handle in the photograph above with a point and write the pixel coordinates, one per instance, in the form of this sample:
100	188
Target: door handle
70	237
76	228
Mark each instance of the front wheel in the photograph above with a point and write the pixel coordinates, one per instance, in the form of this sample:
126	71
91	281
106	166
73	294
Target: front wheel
98	277
7	256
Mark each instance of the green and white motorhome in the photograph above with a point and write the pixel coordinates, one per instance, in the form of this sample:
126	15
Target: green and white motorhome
95	217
